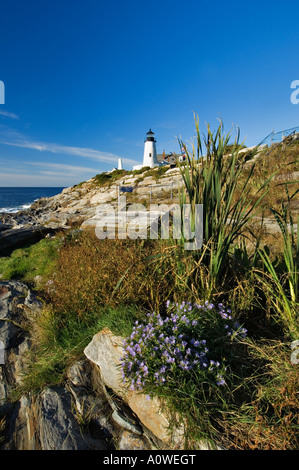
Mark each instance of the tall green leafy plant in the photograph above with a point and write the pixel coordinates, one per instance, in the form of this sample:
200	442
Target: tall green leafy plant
281	279
212	181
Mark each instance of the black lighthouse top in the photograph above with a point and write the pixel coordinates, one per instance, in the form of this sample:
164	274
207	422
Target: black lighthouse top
150	136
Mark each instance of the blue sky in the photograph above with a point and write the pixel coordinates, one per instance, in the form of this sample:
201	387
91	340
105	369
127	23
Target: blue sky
85	80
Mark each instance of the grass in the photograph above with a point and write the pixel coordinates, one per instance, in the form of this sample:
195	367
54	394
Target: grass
59	342
106	272
270	420
157	173
35	260
103	179
280	279
2	428
91	284
283	163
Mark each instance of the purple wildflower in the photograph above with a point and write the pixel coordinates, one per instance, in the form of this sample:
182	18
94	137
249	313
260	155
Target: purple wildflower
220	380
173	344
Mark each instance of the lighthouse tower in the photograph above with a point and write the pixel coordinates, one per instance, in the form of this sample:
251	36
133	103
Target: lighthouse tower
150	152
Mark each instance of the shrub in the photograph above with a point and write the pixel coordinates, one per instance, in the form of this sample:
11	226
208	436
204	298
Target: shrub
280	279
213	182
104	178
91	273
141	170
157	172
177	345
191	360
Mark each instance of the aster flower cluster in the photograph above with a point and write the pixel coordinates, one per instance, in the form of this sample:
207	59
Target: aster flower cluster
169	347
233	328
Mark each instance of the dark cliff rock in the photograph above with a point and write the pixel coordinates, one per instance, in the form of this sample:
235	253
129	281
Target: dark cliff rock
13	238
78	414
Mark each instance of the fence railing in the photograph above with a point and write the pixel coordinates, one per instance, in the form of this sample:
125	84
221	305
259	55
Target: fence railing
279	136
129	189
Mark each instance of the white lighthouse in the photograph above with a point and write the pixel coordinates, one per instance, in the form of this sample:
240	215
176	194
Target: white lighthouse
150	152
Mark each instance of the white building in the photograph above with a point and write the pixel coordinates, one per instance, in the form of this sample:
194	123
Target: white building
120	164
150	152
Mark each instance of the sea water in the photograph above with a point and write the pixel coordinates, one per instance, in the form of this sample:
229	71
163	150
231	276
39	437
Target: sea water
15	199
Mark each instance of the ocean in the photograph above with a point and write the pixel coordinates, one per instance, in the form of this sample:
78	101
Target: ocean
16	199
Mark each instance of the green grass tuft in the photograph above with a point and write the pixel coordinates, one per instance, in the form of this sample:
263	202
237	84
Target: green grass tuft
25	264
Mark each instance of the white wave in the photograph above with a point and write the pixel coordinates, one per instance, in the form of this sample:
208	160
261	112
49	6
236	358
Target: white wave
9	210
13	210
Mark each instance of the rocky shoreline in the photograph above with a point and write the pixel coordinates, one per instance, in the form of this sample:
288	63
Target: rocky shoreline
80	201
74	207
77	207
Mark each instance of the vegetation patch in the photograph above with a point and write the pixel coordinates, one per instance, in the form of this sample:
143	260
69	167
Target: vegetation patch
104	179
38	259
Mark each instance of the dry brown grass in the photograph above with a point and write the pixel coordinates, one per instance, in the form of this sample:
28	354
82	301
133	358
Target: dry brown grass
284	163
91	273
271	420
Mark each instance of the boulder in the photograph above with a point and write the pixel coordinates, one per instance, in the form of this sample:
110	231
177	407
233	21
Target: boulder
105	350
5	227
103	197
129	441
17	304
58	427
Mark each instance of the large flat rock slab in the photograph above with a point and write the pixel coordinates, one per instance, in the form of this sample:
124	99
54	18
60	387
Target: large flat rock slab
16	237
105	350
